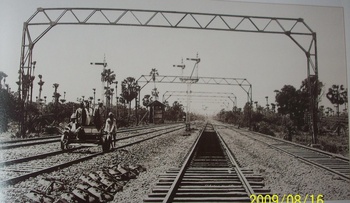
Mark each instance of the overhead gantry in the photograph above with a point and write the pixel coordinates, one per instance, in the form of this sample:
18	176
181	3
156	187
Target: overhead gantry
241	82
294	28
225	95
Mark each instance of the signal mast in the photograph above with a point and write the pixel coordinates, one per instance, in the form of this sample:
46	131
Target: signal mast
182	66
189	81
104	64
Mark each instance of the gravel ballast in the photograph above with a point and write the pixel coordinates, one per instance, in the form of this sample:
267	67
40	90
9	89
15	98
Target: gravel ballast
284	174
156	155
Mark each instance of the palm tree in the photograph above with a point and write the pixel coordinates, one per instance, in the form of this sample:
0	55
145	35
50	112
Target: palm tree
122	101
146	100
129	91
337	95
108	77
154	73
56	95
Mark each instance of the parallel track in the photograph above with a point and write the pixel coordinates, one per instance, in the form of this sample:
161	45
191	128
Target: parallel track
52	153
30	142
9	144
208	174
331	162
32	170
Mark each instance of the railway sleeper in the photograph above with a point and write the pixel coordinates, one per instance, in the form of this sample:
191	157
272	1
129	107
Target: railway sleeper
256	189
193	194
208	176
199	176
37	196
102	185
206	190
43	191
184	182
203	199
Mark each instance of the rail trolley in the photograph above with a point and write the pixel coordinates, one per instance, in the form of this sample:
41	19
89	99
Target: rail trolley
88	136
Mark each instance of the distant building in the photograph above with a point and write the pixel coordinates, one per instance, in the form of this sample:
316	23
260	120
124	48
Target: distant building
156	115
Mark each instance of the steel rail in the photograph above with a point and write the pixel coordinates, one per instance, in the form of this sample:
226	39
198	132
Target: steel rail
170	196
144	133
15	180
172	191
139	141
39	156
121	130
305	160
239	172
27	140
29	143
143	128
302	146
57	138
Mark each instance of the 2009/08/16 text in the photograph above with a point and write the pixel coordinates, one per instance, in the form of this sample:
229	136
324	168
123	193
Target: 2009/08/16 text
287	198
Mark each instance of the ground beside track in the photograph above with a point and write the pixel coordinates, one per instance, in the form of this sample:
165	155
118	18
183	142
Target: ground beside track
156	155
284	174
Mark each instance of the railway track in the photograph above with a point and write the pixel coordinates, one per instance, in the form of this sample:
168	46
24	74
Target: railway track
333	163
9	144
209	173
29	142
18	170
55	149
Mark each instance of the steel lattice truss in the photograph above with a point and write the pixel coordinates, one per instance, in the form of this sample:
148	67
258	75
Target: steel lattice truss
241	82
225	95
295	28
211	101
47	18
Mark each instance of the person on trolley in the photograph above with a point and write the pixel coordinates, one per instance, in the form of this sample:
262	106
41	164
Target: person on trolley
74	128
111	127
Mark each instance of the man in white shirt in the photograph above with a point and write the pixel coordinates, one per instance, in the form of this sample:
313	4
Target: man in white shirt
111	127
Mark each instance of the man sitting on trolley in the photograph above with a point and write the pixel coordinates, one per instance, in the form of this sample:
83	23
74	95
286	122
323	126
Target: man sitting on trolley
74	129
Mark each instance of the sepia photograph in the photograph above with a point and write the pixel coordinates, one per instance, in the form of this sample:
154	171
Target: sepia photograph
174	101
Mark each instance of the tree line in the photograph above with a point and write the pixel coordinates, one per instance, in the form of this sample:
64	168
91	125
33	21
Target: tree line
41	113
290	113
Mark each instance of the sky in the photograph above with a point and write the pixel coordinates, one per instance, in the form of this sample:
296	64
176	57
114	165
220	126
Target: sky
267	61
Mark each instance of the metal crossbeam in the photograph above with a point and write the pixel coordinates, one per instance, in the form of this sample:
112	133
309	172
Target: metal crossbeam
295	28
172	19
241	82
50	17
226	95
201	80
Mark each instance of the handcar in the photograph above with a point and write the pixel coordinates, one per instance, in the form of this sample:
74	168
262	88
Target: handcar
86	136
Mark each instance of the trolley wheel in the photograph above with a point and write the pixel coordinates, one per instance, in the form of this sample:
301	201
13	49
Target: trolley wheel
106	143
64	142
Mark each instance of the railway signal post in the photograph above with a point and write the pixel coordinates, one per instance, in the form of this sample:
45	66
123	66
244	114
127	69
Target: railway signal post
189	81
104	64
